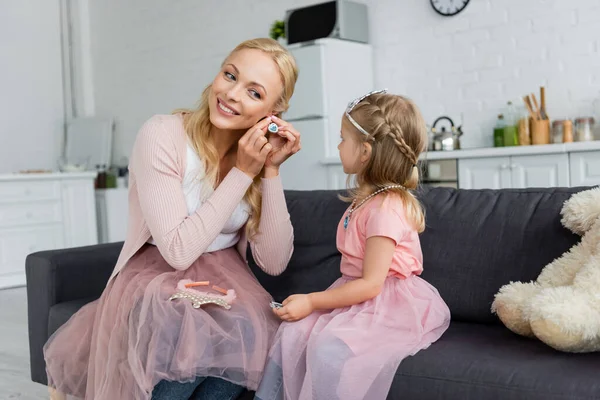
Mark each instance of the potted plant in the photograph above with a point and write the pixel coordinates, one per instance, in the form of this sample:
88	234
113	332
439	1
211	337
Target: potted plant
277	31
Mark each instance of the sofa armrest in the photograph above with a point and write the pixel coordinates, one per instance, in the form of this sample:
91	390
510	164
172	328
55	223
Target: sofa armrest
56	276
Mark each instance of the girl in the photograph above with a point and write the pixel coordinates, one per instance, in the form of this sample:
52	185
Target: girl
351	338
202	183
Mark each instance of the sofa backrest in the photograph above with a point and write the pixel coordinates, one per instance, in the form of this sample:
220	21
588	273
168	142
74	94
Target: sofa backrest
475	241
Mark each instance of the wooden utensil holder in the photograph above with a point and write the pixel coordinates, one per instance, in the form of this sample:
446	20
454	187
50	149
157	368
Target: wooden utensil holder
540	131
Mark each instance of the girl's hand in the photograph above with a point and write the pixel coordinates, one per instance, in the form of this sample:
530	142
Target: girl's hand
253	149
285	143
295	307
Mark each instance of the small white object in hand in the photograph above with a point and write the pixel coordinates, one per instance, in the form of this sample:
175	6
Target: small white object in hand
275	304
273	128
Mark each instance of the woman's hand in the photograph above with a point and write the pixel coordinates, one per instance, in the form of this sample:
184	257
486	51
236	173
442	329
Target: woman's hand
295	307
285	143
253	149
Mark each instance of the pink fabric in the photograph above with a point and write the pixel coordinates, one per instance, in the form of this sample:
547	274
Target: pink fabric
120	346
157	205
124	343
353	353
380	216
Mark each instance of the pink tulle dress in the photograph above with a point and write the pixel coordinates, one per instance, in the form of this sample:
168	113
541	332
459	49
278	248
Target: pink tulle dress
142	330
354	352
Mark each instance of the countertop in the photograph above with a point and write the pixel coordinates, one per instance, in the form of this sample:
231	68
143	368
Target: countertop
47	176
501	151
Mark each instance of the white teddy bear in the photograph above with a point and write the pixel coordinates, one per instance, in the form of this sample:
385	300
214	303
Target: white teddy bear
562	307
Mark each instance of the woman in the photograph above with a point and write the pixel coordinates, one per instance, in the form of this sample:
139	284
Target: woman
203	183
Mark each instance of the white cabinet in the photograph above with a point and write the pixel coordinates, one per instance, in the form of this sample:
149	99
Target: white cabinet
305	170
548	170
112	209
332	73
43	212
585	168
484	173
337	179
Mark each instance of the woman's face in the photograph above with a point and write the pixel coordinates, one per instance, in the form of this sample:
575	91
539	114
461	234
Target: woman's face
245	90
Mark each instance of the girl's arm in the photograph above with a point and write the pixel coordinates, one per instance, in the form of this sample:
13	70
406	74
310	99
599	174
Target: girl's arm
376	265
378	258
272	247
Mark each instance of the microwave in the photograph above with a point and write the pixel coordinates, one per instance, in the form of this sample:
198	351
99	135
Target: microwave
341	19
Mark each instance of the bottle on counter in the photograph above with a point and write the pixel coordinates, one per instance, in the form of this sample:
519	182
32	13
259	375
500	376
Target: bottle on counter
523	131
499	131
511	134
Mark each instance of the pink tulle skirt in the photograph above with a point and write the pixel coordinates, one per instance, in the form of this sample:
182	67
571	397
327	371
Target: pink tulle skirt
354	352
121	345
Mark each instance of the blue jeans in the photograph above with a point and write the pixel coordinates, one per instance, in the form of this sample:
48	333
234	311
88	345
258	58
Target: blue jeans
202	388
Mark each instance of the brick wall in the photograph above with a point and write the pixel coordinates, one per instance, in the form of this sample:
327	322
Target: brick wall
153	56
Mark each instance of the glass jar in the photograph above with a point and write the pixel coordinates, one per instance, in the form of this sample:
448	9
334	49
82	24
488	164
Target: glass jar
558	131
584	128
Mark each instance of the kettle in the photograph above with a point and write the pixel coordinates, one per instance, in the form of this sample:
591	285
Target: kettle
443	139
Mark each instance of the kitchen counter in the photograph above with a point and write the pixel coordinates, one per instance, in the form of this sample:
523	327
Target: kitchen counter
485	152
40	176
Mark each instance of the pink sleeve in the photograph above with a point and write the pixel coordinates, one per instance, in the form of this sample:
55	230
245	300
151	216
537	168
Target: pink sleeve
180	238
272	248
386	221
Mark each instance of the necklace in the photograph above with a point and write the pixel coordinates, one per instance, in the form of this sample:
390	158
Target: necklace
354	207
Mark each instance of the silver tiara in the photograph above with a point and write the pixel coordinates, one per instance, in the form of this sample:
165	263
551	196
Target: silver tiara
353	104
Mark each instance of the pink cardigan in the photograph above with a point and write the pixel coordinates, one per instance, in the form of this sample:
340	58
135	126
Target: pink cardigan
157	206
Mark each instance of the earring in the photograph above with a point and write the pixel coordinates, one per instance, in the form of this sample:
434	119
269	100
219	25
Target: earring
273	128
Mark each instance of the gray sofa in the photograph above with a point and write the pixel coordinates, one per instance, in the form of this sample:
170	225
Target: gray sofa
475	241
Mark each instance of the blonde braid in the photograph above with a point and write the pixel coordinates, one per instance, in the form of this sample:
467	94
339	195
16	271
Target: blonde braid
394	131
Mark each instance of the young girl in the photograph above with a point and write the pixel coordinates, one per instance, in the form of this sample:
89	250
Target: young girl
350	339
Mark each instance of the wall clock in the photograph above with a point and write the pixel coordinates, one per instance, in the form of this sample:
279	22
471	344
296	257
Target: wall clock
448	8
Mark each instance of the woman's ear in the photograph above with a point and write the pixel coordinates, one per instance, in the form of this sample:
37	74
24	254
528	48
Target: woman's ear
365	152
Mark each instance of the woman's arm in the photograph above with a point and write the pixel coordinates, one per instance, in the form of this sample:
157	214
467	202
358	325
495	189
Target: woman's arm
272	247
180	238
376	264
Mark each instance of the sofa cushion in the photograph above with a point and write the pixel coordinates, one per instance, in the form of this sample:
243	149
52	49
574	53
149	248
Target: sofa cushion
315	263
61	312
478	361
475	241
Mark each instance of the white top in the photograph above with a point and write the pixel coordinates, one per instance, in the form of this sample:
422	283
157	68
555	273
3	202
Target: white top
196	192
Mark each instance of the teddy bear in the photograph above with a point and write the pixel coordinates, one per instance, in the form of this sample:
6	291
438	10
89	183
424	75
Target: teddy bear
562	306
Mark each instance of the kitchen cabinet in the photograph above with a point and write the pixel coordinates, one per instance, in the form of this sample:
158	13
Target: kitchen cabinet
316	108
546	170
584	168
43	212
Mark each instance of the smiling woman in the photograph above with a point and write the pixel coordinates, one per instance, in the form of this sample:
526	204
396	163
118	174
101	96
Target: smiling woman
203	183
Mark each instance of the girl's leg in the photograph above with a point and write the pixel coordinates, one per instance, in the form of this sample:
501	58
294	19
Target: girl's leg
325	363
171	390
217	389
271	385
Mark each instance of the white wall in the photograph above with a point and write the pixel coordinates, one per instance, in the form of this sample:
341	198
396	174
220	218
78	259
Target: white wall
153	56
31	92
492	52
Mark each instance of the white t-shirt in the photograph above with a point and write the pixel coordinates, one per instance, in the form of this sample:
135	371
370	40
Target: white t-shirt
196	191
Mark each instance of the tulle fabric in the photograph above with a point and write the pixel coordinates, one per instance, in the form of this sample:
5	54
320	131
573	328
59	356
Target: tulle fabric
354	352
120	346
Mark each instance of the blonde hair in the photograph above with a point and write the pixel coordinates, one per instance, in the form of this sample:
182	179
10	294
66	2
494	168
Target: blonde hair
397	135
198	126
